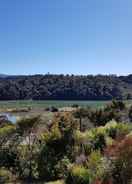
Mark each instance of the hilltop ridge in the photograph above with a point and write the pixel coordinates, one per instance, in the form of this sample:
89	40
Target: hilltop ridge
65	87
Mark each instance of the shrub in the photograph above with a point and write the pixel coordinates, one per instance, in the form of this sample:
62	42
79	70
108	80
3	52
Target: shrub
8	158
99	143
78	175
52	135
5	176
102	116
81	113
94	139
123	129
97	166
47	109
54	109
121	156
5	134
47	160
27	125
116	104
117	130
109	141
62	167
91	140
122	164
7	130
75	106
99	138
57	145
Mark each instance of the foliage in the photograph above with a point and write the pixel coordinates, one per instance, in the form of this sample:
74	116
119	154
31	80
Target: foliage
78	175
117	130
27	125
122	164
38	87
98	166
7	130
113	111
81	113
20	148
57	143
5	176
5	134
117	105
91	140
61	152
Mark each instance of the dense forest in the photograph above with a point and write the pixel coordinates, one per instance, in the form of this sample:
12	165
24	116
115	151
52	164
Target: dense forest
65	87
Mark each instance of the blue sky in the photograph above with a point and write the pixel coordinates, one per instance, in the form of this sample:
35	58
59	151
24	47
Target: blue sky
66	36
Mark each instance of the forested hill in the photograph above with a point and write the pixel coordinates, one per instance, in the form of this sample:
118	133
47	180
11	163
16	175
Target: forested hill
65	87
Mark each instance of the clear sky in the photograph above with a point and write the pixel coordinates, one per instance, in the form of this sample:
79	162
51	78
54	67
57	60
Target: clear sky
66	36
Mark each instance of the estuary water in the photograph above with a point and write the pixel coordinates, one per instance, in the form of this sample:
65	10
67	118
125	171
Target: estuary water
10	117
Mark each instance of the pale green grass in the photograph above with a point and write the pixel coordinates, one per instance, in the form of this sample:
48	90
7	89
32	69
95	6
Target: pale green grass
47	103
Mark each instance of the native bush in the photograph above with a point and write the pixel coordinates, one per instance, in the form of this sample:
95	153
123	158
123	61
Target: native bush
98	166
122	162
78	175
5	176
117	130
56	145
5	134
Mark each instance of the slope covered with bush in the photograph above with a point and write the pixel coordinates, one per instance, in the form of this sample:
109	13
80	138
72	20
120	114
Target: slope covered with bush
65	87
63	153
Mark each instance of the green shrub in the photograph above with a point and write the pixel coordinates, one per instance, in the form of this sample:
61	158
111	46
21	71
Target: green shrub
91	140
99	142
97	138
5	176
78	175
115	130
123	129
62	167
57	148
7	131
27	125
116	104
111	129
6	135
97	166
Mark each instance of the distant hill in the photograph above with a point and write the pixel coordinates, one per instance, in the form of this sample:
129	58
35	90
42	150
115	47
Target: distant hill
65	87
3	75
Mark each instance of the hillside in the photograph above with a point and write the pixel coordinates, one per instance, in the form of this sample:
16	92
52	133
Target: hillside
65	87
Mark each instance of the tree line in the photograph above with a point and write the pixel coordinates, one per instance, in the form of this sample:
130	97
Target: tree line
65	87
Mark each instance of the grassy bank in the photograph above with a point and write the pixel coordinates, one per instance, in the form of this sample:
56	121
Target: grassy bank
47	103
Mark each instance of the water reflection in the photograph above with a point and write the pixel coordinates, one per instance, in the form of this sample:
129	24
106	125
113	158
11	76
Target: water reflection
9	117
